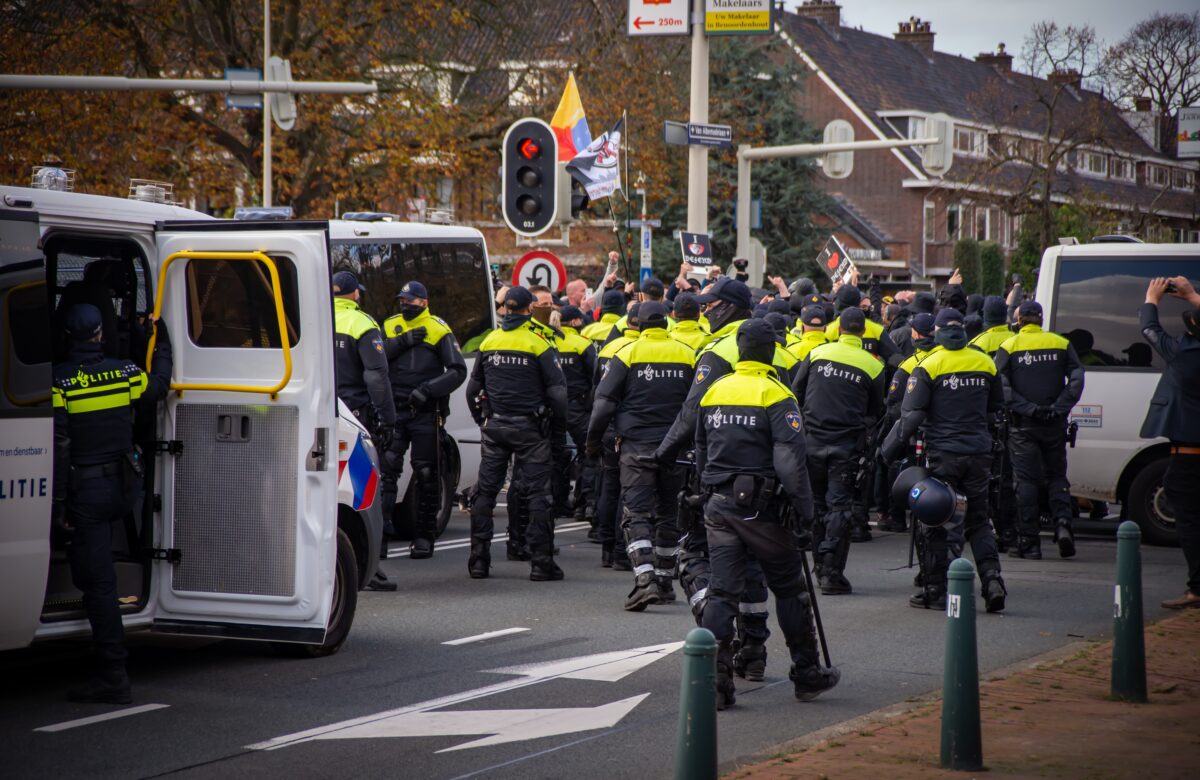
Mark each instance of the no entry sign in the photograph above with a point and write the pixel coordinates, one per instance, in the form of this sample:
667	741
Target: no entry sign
539	267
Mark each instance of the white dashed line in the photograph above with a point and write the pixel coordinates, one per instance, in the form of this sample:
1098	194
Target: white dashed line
74	724
481	637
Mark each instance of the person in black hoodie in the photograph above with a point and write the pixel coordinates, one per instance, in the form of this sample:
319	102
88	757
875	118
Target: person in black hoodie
922	303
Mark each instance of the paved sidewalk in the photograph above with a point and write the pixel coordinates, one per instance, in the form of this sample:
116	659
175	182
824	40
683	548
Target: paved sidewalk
1049	720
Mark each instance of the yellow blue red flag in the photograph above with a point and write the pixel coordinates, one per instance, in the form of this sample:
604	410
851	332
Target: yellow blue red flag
570	123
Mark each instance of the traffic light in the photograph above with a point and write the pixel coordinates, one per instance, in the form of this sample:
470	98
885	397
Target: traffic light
529	177
572	197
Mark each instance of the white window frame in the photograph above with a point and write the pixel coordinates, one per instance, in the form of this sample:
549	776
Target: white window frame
976	144
1152	169
1087	158
930	230
960	212
1122	163
913	123
1189	179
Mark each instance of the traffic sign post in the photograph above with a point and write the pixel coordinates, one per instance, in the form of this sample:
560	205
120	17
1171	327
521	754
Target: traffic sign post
657	17
539	267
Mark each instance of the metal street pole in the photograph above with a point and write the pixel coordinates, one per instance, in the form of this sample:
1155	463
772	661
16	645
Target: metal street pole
266	100
743	205
697	216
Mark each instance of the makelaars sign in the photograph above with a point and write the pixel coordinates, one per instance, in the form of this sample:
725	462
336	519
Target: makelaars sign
835	261
738	17
696	248
1189	132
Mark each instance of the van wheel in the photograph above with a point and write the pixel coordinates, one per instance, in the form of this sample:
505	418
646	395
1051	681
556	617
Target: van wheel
341	613
1148	505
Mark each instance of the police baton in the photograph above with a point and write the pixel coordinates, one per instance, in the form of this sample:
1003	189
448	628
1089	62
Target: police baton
812	595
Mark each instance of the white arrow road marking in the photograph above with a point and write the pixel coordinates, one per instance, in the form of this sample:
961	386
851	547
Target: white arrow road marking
608	667
467	640
502	725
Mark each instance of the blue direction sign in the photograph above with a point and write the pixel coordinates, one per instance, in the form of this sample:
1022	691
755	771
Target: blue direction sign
720	136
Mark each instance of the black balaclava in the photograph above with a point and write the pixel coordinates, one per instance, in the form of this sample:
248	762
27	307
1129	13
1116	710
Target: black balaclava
724	313
410	311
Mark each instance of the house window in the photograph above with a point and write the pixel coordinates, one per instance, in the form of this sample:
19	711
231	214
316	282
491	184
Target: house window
1120	168
954	221
526	88
1032	151
1093	163
916	127
1183	179
970	142
982	223
930	222
1158	175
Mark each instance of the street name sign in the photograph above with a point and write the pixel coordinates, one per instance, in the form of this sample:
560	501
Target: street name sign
720	136
658	17
738	17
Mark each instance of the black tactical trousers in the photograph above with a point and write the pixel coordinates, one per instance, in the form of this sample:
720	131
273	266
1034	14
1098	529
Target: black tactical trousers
831	471
522	441
968	475
584	468
418	430
1001	497
94	505
1182	486
608	501
733	540
649	504
1039	458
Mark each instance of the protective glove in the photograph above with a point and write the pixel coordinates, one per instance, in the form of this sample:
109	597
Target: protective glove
891	449
410	338
592	449
1045	414
164	336
58	519
419	397
662	457
383	438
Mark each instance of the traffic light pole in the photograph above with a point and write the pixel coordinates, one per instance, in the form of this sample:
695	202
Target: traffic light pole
746	154
266	100
697	213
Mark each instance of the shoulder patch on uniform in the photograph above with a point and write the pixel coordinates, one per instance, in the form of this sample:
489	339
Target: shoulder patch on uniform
378	344
912	383
702	373
793	420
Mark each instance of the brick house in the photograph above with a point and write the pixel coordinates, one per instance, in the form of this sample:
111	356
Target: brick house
901	221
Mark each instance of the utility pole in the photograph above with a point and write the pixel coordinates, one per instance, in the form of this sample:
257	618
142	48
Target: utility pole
697	213
266	182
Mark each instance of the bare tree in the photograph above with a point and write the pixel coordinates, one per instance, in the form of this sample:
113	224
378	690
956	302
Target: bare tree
1160	59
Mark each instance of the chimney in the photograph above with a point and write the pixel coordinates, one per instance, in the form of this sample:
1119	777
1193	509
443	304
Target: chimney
1144	105
827	12
1000	60
1068	78
917	33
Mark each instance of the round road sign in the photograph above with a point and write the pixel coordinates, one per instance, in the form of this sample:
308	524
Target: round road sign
540	267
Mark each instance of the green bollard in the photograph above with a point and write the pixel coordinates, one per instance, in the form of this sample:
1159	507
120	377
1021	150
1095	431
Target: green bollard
696	742
962	742
1129	641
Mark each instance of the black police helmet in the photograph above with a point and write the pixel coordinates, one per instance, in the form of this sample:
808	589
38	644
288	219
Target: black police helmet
934	503
905	481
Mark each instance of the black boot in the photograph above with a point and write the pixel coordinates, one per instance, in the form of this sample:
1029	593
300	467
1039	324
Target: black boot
1065	539
381	582
110	686
420	548
811	681
993	593
516	551
1027	547
481	559
544	569
644	594
666	590
930	597
606	559
725	690
750	662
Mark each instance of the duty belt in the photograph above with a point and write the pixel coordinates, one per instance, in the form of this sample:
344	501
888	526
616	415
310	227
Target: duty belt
95	470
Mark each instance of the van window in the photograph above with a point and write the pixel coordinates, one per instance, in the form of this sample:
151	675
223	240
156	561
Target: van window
1097	307
230	304
25	350
454	271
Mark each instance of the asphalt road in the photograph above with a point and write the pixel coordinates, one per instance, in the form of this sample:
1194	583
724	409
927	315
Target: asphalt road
370	710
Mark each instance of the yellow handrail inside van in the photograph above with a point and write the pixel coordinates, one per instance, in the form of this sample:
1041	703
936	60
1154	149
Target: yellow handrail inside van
276	293
8	351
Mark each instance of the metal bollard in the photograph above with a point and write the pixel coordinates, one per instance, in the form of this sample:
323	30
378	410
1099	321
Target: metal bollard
696	742
962	742
1129	640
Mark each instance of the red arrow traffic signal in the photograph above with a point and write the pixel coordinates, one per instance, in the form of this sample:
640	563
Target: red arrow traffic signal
529	149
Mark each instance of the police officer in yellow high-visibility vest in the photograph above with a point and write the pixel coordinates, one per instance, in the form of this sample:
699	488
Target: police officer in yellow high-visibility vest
97	472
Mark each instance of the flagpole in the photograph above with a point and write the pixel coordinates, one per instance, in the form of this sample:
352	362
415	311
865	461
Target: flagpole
625	192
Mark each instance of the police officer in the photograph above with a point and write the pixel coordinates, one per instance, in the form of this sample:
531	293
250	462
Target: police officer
612	307
1043	380
96	476
577	356
811	325
840	388
425	366
1003	509
873	338
362	375
643	386
608	501
688	329
921	339
951	395
751	459
518	396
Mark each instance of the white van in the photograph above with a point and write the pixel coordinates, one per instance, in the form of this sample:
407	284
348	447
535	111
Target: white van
258	519
1091	293
452	262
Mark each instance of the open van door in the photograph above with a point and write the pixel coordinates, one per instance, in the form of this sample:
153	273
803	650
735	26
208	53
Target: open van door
249	489
26	427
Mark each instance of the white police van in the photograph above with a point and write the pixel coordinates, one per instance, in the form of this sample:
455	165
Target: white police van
452	262
1091	293
259	518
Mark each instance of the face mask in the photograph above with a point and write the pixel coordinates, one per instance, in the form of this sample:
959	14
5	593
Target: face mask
951	337
512	321
764	353
542	314
925	343
410	311
721	315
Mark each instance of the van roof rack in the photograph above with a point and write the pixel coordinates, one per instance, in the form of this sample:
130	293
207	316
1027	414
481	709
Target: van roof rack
263	213
370	216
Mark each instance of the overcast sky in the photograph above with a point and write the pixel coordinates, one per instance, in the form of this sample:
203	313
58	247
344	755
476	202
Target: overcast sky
969	27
